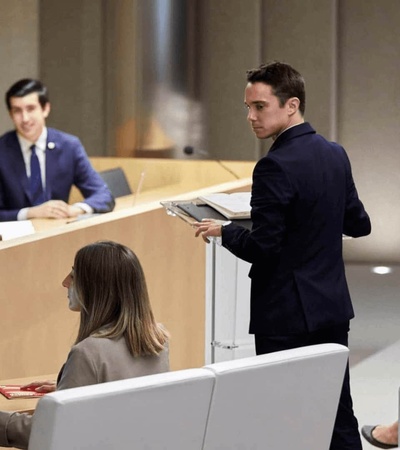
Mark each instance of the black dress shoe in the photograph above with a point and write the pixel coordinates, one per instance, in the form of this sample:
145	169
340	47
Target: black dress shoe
367	430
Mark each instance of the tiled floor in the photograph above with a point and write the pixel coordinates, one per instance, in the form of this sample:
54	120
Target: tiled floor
375	345
376	300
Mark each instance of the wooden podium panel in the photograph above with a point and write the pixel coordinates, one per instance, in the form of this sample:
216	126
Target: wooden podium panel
166	177
37	328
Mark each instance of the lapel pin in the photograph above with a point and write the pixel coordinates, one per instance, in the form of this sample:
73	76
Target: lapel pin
51	145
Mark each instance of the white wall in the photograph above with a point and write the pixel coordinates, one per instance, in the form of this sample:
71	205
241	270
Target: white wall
348	51
369	112
19	47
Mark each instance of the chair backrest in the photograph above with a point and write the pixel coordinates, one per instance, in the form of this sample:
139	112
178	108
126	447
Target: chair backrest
163	411
284	400
279	401
116	181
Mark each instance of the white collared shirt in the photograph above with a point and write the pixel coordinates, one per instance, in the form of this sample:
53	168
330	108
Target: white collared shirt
41	147
291	126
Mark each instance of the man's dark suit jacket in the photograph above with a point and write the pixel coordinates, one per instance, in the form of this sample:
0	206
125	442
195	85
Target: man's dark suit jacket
303	200
66	164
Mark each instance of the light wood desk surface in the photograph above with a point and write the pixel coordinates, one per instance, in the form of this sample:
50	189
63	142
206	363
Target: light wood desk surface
37	328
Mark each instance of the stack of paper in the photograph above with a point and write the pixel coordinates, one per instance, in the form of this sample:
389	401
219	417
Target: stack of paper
231	206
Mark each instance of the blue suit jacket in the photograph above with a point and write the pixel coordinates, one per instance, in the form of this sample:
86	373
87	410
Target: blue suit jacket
66	164
303	199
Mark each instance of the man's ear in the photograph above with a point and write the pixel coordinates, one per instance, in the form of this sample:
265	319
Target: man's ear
293	105
46	110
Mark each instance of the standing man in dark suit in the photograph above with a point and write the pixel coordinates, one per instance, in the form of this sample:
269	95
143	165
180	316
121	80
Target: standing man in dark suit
39	165
303	199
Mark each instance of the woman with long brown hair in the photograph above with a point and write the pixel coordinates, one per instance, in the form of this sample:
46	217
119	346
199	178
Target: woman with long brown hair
118	337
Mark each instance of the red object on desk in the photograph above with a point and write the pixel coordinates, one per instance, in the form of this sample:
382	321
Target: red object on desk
12	391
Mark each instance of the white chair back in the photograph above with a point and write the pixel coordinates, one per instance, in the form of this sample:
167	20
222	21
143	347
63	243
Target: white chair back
278	401
156	412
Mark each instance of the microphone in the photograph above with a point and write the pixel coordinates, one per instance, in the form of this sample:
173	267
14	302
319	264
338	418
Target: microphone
189	150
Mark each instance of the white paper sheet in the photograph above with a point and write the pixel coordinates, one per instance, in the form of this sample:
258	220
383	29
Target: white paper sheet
11	230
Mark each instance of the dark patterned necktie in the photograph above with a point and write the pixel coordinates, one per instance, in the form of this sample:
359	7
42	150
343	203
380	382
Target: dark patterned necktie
36	187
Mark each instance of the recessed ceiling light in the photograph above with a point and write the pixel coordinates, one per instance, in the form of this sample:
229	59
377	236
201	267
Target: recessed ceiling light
381	270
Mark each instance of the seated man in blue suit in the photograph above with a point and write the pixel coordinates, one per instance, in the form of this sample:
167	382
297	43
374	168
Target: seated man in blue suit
39	165
303	200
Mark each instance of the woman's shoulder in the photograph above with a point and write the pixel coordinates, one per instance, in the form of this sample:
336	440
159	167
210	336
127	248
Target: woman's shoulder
101	345
98	344
111	359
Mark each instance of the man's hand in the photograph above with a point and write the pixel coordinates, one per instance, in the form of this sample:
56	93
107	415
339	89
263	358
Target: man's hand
208	228
74	211
54	209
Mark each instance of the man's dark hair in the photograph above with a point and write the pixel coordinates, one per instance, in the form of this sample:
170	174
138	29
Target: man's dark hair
285	81
25	87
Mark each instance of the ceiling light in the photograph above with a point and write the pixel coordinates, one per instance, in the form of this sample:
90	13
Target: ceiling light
381	270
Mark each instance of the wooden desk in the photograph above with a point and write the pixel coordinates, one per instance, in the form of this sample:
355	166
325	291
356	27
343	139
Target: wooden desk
37	329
